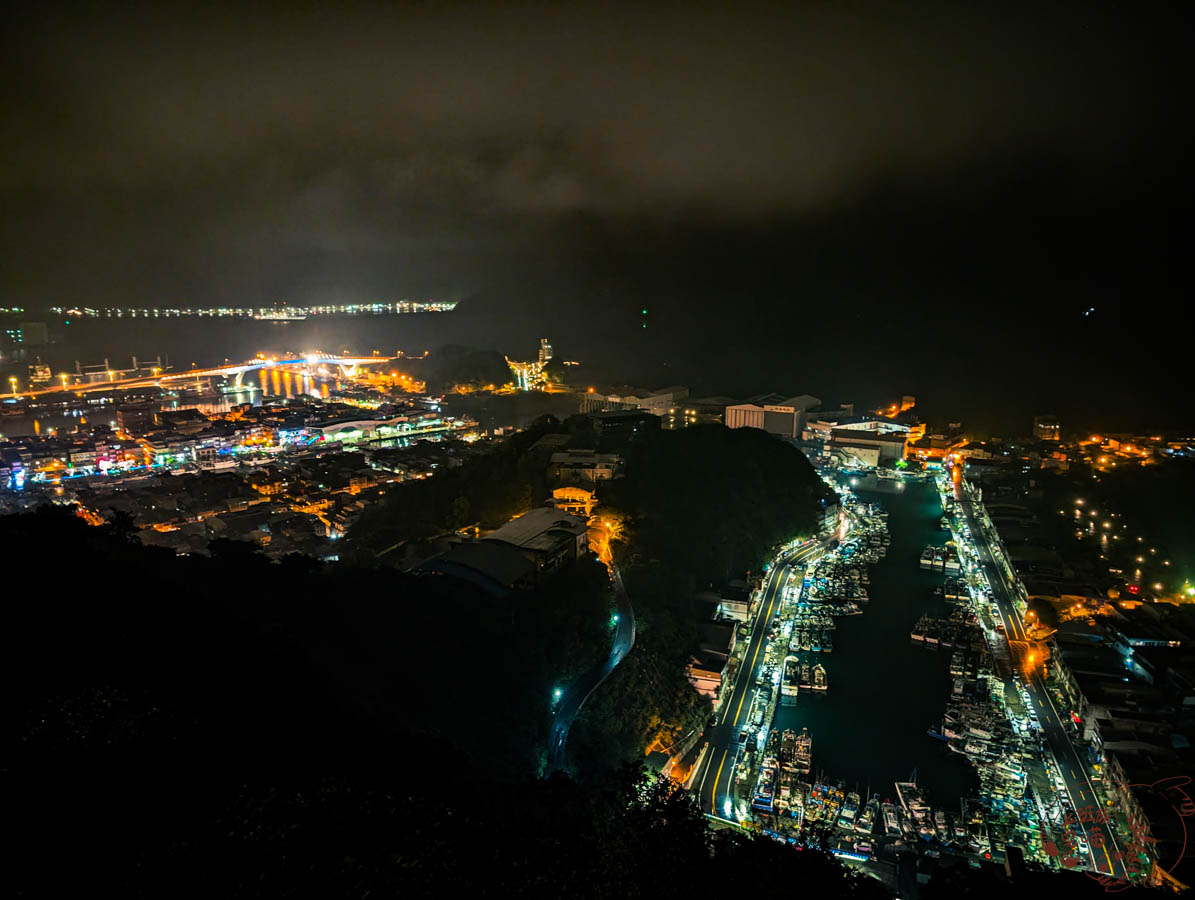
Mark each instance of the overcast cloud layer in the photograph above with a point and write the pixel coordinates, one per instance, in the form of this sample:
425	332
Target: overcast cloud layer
555	108
728	165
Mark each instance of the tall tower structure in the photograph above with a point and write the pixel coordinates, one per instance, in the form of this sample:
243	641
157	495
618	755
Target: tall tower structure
530	375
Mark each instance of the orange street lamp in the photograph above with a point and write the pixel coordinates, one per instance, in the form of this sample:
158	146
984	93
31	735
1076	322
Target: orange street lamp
64	378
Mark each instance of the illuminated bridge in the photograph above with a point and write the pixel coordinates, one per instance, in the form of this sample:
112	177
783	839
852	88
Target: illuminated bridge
347	365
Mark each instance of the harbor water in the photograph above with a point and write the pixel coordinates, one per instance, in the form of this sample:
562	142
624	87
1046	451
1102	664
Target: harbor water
884	690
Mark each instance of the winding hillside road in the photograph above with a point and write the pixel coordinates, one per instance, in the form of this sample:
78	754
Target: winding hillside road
575	696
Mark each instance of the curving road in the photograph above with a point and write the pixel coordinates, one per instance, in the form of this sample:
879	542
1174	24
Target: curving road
715	782
574	698
1102	855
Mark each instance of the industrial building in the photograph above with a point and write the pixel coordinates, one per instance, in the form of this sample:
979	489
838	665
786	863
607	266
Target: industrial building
624	424
871	447
772	413
518	555
700	411
547	536
581	466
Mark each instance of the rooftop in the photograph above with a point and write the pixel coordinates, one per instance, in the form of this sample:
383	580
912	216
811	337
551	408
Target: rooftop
494	566
846	435
531	525
550	442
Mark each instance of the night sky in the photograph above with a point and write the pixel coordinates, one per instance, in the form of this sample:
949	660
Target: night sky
850	200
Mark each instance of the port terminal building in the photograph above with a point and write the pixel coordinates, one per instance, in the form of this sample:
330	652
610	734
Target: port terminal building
860	440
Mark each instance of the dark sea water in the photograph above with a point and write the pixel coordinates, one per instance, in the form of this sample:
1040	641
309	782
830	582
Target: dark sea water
884	691
181	341
208	341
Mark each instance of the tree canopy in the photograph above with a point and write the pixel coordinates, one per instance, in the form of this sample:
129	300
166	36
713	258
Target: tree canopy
228	726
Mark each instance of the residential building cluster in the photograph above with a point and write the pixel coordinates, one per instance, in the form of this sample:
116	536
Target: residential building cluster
829	435
537	543
289	475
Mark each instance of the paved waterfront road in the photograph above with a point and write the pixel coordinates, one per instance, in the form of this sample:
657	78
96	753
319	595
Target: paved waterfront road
574	698
1072	768
714	781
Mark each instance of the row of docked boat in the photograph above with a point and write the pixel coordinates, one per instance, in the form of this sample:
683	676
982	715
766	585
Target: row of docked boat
958	629
975	727
812	640
941	558
953	589
821	805
786	757
830	580
801	676
833	585
911	818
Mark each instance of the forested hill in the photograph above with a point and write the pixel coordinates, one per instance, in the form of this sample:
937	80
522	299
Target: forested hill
713	501
698	507
232	727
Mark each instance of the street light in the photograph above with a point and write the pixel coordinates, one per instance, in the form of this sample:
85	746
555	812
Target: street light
64	378
13	382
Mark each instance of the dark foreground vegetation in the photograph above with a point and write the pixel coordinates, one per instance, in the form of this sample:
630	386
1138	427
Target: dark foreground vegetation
698	507
231	727
235	727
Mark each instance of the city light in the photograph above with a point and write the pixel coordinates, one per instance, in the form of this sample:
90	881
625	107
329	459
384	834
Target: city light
286	313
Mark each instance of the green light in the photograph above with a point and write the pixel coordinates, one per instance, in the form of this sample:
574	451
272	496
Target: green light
645	312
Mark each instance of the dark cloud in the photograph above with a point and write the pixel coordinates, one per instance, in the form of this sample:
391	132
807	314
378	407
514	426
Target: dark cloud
549	108
735	166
